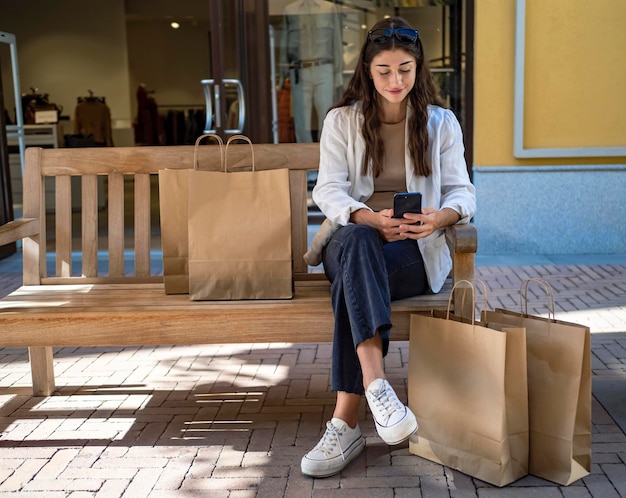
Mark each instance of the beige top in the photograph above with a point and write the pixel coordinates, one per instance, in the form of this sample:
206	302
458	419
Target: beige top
393	177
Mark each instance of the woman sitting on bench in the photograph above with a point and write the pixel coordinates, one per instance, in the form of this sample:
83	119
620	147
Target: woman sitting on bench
389	133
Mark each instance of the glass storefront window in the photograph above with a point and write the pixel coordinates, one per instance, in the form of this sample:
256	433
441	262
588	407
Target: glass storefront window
317	43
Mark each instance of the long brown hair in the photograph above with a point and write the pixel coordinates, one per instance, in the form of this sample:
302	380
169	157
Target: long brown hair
424	92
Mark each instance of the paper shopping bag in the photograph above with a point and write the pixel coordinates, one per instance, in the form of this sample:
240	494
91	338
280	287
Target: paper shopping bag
467	388
559	394
173	210
240	233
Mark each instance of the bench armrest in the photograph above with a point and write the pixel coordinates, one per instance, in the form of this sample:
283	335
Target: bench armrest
18	229
462	238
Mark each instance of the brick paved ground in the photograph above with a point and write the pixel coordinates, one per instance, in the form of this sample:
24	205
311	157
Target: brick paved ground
234	421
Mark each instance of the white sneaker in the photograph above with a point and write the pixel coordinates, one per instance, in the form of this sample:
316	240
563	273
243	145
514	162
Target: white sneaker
338	447
394	421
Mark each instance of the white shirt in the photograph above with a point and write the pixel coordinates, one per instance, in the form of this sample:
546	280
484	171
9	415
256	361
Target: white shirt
341	189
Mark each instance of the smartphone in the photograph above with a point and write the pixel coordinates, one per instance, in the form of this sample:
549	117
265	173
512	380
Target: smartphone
406	202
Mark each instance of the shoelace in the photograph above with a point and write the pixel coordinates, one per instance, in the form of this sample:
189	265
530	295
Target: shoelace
330	439
386	403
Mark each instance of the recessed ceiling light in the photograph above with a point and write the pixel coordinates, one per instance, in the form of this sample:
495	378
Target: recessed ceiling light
174	25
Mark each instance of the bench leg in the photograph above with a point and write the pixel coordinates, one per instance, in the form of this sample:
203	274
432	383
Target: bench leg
42	371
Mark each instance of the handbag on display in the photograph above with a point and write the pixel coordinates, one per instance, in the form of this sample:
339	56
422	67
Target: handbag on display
37	109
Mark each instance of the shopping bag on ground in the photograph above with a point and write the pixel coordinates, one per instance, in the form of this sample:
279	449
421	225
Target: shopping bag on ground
173	210
240	233
559	390
467	388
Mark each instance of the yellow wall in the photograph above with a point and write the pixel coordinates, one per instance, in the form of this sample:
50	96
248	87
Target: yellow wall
575	79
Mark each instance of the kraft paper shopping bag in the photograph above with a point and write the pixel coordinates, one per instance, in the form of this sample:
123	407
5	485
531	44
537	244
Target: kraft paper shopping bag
559	391
173	210
240	233
467	388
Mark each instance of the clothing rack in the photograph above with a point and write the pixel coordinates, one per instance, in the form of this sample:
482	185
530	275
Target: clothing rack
182	124
90	98
92	120
181	106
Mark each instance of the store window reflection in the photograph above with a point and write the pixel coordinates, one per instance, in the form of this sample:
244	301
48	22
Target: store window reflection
311	59
317	44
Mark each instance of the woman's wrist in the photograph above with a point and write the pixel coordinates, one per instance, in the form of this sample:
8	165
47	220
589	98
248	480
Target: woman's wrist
450	217
359	217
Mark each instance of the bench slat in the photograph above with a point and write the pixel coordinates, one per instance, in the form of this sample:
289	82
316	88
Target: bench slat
116	224
299	222
142	225
89	226
111	297
63	225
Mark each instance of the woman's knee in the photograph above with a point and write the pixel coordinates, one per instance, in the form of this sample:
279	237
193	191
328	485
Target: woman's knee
359	235
351	244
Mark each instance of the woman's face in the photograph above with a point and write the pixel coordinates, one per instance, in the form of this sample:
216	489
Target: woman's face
393	73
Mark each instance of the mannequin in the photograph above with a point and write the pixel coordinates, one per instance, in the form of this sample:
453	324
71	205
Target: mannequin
312	58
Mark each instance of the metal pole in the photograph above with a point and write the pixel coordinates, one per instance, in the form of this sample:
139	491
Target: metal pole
6	199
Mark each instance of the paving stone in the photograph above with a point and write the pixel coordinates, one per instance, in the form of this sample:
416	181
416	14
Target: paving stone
575	492
22	475
142	483
112	488
600	486
617	475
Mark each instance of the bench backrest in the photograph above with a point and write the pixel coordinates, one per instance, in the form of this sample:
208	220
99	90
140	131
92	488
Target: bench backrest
116	187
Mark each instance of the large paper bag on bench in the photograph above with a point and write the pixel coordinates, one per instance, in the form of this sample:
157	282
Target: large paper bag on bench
240	233
173	209
559	392
467	388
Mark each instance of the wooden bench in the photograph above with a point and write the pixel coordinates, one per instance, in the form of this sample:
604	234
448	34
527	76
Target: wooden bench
84	204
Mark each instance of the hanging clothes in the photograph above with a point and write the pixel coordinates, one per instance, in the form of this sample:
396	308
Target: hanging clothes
286	130
175	127
183	127
149	126
92	116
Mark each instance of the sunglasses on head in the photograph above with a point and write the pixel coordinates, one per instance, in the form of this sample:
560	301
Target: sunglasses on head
404	35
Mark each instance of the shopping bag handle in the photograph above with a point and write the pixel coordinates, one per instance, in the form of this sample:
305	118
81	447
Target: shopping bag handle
232	139
219	141
523	291
470	283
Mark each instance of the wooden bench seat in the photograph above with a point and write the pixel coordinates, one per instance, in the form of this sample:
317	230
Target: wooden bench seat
142	314
123	307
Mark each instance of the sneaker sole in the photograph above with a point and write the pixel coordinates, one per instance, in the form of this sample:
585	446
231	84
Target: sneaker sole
412	430
358	449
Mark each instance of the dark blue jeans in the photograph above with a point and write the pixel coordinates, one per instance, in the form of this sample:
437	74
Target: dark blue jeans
366	274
